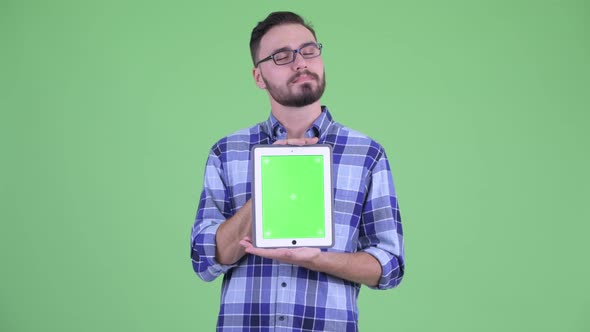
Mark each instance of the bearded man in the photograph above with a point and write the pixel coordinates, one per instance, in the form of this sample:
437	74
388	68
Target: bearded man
296	289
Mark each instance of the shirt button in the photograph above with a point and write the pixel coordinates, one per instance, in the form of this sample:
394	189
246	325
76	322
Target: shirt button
284	284
281	318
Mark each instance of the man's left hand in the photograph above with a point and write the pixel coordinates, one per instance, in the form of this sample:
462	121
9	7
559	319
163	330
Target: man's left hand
305	257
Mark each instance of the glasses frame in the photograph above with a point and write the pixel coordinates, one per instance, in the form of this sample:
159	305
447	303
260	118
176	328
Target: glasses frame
272	56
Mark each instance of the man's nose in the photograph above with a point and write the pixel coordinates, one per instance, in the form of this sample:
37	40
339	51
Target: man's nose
299	63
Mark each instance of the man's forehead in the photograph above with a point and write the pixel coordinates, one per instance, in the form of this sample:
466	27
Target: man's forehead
285	35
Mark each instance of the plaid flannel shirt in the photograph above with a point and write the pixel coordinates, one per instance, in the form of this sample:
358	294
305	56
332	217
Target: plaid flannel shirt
260	294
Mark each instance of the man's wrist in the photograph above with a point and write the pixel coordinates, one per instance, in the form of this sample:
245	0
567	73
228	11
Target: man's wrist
320	262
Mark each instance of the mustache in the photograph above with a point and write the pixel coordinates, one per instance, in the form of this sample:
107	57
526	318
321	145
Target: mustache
305	72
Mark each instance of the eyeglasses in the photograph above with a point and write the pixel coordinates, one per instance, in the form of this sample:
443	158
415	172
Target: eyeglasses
307	51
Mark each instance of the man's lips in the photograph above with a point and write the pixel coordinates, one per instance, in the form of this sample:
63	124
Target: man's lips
303	78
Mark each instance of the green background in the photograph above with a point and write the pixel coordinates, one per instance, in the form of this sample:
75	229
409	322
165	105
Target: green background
293	191
108	109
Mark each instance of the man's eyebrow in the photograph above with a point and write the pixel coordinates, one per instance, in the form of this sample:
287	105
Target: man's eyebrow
290	49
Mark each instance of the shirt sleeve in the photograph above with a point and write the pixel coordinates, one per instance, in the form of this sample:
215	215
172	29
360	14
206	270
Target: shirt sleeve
381	232
214	208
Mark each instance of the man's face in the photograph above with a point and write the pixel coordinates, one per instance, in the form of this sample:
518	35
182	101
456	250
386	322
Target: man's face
296	84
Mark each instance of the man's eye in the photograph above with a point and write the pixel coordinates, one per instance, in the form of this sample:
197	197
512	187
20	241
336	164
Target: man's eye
310	50
281	56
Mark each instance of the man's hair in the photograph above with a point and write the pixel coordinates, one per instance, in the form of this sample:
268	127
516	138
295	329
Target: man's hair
271	21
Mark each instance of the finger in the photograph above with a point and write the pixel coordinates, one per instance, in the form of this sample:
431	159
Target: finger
266	253
298	141
303	141
311	140
245	243
250	249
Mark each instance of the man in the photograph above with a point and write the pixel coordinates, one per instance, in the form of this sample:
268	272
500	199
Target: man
301	289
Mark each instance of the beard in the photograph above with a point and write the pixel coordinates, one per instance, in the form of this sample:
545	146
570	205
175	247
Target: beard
305	96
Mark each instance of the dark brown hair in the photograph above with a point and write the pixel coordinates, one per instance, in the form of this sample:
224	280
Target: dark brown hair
272	20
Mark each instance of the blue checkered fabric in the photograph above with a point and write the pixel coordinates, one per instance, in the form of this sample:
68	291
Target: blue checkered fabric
260	294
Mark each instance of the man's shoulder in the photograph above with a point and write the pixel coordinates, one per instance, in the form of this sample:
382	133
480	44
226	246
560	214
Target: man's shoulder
240	140
342	134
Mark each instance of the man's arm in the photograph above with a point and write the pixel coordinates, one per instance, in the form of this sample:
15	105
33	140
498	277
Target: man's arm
227	247
359	267
215	208
379	263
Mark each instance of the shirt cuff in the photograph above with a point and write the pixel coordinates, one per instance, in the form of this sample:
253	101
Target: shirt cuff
203	255
390	268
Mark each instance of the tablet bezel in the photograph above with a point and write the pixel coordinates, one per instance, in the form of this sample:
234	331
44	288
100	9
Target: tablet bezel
258	151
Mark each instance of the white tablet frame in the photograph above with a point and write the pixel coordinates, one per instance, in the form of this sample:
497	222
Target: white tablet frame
258	151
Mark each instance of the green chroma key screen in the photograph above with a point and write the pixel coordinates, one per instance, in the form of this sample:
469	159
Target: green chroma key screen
293	197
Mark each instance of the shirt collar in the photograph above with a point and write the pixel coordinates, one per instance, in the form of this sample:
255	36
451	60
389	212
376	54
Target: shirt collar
318	129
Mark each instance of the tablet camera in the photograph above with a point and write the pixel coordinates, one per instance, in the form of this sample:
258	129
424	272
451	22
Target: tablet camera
294	242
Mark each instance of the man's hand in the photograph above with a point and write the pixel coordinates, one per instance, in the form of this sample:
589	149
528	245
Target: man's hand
228	249
297	141
359	267
297	256
305	257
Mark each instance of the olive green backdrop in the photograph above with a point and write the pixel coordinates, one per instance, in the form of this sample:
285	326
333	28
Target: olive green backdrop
108	109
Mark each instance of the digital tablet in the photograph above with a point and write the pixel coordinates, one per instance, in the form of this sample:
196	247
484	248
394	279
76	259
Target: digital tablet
292	196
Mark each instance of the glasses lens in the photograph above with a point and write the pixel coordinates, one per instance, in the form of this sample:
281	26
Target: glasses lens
284	57
310	51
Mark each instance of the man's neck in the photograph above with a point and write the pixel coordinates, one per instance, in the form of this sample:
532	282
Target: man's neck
296	120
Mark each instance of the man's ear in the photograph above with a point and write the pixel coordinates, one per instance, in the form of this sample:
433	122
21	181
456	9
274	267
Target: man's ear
258	78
